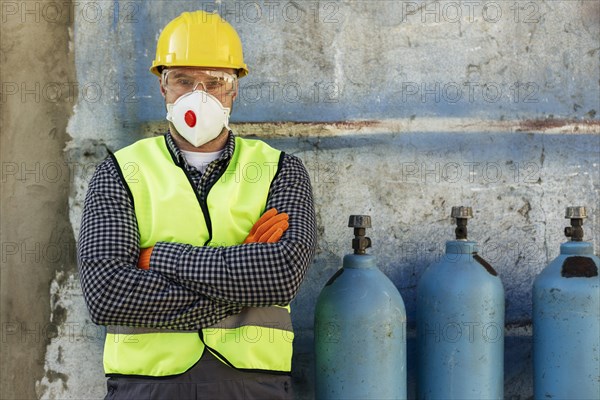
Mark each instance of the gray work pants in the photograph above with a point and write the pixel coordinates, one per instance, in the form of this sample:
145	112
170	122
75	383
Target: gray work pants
208	379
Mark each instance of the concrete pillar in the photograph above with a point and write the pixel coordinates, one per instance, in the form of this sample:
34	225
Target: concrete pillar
36	100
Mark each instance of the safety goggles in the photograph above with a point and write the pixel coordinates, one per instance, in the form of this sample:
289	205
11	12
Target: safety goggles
182	80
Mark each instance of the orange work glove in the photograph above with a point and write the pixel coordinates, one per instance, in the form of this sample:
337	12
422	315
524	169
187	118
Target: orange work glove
144	260
269	228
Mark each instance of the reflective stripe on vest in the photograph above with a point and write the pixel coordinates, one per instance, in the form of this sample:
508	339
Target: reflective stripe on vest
168	210
240	339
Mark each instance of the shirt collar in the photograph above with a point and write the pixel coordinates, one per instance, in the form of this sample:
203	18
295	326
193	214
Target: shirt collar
227	150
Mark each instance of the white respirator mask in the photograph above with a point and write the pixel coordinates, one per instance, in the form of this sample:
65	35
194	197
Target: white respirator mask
198	116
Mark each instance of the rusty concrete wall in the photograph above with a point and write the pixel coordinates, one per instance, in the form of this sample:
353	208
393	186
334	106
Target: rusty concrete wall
37	245
400	109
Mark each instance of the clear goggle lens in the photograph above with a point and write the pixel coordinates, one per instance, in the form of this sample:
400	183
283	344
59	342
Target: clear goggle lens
185	80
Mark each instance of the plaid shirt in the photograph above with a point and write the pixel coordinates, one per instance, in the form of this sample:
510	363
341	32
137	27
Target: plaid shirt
189	287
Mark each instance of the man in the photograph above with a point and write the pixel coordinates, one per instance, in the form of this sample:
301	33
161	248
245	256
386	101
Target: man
193	244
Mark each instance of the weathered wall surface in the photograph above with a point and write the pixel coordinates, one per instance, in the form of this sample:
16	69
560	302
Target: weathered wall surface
399	109
37	245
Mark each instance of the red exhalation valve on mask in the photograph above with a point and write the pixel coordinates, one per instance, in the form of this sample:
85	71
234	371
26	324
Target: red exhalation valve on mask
190	118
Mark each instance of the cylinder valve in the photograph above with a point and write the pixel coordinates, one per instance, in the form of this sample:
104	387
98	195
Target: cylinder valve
576	215
360	223
461	215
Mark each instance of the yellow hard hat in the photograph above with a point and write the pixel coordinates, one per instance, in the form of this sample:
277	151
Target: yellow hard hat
199	39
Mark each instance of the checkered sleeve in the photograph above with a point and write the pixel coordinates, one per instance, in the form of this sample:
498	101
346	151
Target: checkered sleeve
115	290
255	274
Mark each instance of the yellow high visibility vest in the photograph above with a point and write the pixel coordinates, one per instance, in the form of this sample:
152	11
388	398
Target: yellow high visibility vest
168	209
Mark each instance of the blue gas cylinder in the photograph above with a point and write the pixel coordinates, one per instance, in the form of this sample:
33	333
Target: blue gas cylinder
566	320
460	323
360	326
